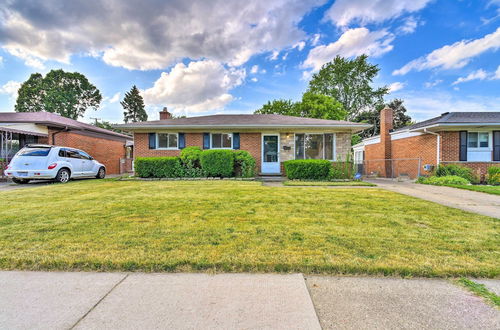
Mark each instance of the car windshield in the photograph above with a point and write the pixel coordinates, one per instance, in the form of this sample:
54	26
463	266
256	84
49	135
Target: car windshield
39	152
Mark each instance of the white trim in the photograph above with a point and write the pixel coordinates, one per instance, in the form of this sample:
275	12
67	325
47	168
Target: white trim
168	148
356	128
278	162
404	135
226	148
334	151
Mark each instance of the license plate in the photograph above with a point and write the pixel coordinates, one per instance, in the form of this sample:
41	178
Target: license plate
22	173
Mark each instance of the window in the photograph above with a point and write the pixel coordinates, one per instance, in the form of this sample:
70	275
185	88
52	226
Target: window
222	141
167	141
35	152
478	140
72	154
314	146
84	155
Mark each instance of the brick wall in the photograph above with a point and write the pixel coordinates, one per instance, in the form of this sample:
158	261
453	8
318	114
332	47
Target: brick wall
450	146
251	142
103	150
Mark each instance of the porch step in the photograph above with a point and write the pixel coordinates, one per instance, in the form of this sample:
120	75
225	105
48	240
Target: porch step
271	177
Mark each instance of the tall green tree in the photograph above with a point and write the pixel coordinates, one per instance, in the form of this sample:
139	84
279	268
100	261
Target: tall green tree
311	106
350	82
133	104
69	94
401	119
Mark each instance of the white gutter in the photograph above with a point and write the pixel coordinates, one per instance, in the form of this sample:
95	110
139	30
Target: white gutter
438	143
166	126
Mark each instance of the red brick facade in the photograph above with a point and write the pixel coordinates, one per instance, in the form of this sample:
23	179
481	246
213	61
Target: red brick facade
104	150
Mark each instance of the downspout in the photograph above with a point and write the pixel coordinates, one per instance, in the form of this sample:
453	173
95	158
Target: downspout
438	143
54	134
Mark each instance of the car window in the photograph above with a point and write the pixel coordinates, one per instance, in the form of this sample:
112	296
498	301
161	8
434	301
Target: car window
62	153
35	152
84	155
72	153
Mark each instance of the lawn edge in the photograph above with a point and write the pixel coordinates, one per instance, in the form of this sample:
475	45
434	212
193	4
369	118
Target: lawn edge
479	290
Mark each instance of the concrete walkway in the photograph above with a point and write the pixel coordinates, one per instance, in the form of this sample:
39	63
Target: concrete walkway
57	300
471	201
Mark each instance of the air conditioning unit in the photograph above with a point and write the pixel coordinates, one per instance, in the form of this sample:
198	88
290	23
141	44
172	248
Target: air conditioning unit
428	167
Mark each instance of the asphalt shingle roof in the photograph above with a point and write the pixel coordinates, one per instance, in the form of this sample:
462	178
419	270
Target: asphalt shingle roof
458	118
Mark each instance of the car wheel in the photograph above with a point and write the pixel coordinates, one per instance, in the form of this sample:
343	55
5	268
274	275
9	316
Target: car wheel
101	173
20	181
63	176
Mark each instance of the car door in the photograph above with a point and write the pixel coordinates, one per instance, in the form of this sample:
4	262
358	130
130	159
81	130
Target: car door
74	158
87	164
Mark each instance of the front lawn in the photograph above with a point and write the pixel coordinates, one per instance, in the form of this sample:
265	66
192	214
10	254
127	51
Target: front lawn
494	190
328	183
240	226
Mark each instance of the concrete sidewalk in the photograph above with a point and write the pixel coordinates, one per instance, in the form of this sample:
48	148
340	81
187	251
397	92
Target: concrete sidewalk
56	300
471	201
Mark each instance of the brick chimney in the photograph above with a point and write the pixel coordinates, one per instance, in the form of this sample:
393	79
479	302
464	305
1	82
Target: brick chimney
386	120
164	114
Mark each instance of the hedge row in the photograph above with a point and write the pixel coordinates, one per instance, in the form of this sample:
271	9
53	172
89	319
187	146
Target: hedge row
193	162
318	169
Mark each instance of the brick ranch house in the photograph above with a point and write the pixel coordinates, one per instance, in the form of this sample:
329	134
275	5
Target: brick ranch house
20	128
471	139
270	139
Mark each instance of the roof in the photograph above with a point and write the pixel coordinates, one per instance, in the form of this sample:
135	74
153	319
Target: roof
243	121
464	118
54	120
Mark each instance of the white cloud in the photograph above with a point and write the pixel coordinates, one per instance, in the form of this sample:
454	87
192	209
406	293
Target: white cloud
10	88
344	12
453	56
299	45
430	84
409	26
254	79
497	73
198	87
115	98
155	34
1	60
353	42
274	55
475	75
315	39
396	86
254	69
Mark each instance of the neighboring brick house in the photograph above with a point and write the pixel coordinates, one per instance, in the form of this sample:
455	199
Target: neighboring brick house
471	139
20	128
270	139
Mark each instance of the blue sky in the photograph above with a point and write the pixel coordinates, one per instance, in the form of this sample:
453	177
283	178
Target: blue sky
207	57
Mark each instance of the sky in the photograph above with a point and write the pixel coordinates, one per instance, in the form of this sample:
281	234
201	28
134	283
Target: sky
206	57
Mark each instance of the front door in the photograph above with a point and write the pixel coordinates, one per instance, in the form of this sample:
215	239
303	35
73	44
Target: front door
270	153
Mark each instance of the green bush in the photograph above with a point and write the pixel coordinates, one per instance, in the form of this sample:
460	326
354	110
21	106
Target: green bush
341	170
444	180
456	170
190	157
158	167
308	169
217	163
244	164
494	175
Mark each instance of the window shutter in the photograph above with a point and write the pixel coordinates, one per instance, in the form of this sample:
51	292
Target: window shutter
206	140
236	140
463	146
182	141
496	146
152	140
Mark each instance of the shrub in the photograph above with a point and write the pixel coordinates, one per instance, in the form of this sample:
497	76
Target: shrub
341	170
444	180
308	169
190	157
456	170
244	164
158	167
219	163
494	175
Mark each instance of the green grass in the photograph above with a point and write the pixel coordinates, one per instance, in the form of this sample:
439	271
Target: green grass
495	190
237	226
480	290
328	183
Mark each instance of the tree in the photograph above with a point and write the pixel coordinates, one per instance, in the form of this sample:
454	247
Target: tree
107	125
133	104
349	82
401	119
69	94
311	106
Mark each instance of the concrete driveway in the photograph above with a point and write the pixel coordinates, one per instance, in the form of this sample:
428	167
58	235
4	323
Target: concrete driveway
471	201
57	300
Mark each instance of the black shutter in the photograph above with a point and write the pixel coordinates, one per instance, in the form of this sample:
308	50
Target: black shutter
206	140
496	146
152	140
182	141
463	146
236	140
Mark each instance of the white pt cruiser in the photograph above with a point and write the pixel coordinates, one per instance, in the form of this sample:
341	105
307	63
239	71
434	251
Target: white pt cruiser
45	162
